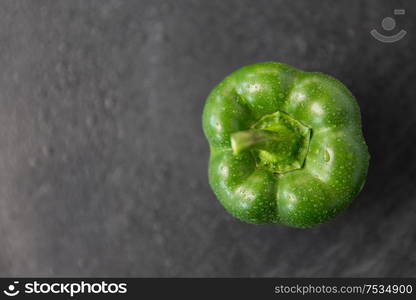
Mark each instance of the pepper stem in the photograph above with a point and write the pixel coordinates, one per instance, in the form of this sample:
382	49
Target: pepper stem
253	138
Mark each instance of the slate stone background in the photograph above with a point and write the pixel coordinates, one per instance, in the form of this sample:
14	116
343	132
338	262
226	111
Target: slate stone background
103	163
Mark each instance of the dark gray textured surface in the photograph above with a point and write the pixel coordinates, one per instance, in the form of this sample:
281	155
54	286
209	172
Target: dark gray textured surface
103	164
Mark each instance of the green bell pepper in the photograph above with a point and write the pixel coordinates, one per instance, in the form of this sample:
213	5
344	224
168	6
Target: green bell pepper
286	145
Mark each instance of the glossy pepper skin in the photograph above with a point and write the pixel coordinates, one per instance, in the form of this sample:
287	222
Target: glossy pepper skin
286	145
